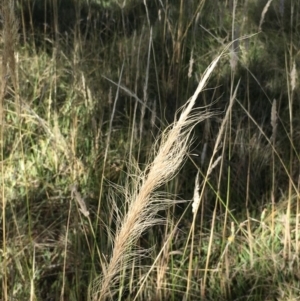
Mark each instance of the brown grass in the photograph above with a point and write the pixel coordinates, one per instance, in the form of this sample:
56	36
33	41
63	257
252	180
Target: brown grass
144	203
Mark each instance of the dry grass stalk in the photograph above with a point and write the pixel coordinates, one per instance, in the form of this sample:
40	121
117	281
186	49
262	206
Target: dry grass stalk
262	18
293	76
196	198
153	114
212	164
274	121
81	203
145	89
191	64
145	203
9	38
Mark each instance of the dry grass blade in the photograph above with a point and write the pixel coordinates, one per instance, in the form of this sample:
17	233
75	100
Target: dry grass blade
196	198
262	18
274	121
80	200
143	204
293	76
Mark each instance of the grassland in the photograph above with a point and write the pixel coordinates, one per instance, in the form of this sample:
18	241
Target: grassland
149	150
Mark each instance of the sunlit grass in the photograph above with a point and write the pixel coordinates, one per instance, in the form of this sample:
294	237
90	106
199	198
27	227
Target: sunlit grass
82	115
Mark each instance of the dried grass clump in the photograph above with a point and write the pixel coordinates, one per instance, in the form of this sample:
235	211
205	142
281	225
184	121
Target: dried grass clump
144	202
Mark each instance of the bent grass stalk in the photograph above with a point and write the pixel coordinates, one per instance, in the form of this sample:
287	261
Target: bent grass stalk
145	203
